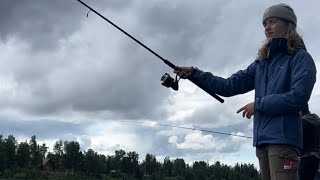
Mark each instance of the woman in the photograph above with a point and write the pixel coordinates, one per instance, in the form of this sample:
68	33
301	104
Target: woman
283	76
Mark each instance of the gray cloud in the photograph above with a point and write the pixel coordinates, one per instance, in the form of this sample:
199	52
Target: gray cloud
43	128
179	26
42	23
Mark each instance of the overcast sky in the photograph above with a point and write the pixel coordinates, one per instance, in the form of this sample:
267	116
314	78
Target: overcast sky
67	76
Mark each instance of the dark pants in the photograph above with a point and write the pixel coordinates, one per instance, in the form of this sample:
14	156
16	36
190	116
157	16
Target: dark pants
308	168
278	162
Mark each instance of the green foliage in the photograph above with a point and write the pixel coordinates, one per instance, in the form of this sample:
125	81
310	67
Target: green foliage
10	145
150	164
179	167
72	154
167	167
35	155
24	161
23	155
200	169
2	154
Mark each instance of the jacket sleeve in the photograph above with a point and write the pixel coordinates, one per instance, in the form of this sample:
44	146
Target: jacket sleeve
303	78
239	83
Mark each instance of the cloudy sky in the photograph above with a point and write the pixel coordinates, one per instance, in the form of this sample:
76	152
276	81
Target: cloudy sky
67	76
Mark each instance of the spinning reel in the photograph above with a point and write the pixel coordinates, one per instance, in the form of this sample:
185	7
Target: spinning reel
168	81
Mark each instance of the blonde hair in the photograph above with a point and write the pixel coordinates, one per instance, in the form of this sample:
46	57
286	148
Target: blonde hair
294	41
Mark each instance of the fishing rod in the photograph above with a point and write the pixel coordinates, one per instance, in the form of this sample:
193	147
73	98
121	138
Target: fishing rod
188	128
165	79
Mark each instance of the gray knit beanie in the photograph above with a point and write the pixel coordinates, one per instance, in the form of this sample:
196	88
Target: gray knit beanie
281	11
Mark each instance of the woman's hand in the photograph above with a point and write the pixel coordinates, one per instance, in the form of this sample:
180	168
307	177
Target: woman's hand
183	72
248	110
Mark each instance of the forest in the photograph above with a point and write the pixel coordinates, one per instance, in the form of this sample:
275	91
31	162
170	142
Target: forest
30	160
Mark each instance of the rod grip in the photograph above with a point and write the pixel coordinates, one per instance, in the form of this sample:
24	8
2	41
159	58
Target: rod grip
207	91
211	93
169	64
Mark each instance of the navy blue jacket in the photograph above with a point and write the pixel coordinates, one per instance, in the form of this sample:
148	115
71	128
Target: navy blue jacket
283	84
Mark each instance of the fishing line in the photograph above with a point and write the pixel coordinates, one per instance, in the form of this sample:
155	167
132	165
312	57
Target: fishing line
188	128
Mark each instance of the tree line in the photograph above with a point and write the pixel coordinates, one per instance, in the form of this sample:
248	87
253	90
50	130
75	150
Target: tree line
68	158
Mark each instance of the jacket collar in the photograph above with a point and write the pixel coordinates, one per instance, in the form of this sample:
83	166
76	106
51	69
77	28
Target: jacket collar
278	45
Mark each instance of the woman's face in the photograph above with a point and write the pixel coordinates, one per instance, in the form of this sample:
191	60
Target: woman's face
275	28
